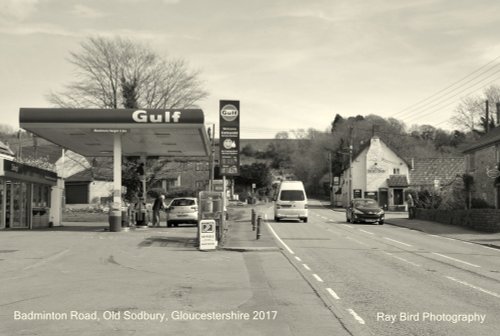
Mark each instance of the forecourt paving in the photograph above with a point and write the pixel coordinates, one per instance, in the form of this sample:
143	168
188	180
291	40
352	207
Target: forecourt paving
81	280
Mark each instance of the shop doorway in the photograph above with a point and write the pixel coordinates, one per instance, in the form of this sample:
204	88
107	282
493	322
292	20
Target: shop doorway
17	205
383	198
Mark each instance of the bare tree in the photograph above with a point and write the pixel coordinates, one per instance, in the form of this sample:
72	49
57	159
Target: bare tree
469	115
114	73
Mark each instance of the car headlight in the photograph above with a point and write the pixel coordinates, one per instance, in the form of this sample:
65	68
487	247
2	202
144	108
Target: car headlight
380	213
358	212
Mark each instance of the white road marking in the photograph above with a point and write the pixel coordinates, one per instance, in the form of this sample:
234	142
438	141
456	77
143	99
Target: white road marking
357	241
356	316
454	259
46	260
402	259
306	267
279	239
490	248
366	231
332	293
317	277
474	287
468	243
397	241
348	226
298	259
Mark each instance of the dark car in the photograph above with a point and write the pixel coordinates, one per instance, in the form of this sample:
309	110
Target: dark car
364	210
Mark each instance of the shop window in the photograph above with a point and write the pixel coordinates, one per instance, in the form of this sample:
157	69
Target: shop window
201	184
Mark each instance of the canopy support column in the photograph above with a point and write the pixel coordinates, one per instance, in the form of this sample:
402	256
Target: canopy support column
115	215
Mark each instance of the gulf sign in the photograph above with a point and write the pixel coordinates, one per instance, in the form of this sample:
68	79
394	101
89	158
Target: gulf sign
229	112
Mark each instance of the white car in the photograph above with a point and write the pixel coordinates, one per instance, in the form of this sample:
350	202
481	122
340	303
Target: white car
182	210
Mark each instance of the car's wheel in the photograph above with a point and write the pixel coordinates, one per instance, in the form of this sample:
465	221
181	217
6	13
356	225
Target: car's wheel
276	219
169	224
381	222
304	219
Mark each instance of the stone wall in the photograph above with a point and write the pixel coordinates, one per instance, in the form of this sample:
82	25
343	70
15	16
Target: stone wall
486	220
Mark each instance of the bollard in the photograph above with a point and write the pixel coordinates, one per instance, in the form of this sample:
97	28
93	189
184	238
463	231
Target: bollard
259	220
254	217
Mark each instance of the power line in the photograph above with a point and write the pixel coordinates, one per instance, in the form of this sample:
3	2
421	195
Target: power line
411	107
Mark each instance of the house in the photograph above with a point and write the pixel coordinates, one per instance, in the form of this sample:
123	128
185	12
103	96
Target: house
483	164
378	172
436	173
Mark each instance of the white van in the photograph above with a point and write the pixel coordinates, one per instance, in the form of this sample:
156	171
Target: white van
291	201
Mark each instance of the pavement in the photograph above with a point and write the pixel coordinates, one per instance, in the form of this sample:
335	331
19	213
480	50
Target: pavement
80	279
445	230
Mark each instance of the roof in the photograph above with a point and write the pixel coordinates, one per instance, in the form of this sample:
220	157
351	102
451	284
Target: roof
397	181
444	169
491	138
50	151
149	132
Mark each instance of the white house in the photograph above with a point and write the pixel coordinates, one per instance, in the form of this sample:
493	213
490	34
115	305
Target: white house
378	172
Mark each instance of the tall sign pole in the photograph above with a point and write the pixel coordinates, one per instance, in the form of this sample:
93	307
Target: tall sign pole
229	144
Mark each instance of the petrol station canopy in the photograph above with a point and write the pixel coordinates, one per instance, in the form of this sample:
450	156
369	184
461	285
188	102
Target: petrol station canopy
144	132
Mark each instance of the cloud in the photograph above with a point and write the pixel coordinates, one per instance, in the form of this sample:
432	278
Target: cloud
17	9
87	12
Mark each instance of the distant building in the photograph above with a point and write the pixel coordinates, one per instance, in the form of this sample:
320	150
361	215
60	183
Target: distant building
378	172
483	164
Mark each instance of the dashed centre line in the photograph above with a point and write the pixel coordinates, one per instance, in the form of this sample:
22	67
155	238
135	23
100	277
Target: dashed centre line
474	287
366	231
298	259
357	241
454	259
403	259
306	267
348	226
397	241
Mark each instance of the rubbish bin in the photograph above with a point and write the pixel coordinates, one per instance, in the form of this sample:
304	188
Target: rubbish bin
115	224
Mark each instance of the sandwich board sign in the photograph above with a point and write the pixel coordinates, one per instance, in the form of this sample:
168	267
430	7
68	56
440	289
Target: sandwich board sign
207	234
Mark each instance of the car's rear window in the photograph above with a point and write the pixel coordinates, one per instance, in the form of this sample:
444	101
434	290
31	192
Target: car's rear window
292	195
182	202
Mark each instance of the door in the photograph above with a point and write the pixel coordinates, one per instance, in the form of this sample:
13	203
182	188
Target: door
383	201
20	206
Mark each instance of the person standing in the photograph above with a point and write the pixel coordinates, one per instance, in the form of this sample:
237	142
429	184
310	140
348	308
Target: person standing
157	207
411	207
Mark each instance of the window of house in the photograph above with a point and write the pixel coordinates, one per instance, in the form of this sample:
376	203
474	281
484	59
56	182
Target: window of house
201	184
396	171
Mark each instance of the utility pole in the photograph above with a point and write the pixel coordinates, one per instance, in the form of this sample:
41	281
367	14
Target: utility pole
350	162
498	114
330	190
487	126
212	159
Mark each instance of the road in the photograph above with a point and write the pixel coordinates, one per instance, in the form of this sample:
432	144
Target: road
388	280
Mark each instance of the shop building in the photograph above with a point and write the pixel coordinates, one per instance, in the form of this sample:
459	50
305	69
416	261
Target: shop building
30	197
378	172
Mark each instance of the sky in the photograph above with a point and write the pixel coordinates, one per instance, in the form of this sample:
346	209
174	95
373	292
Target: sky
292	64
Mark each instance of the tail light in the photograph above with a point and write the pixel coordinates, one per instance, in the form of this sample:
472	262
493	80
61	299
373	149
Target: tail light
194	208
305	206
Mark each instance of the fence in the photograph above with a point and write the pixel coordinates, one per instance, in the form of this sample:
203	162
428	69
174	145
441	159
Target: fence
486	220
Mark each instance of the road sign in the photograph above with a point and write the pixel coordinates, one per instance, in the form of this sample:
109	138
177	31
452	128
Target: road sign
229	119
207	234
